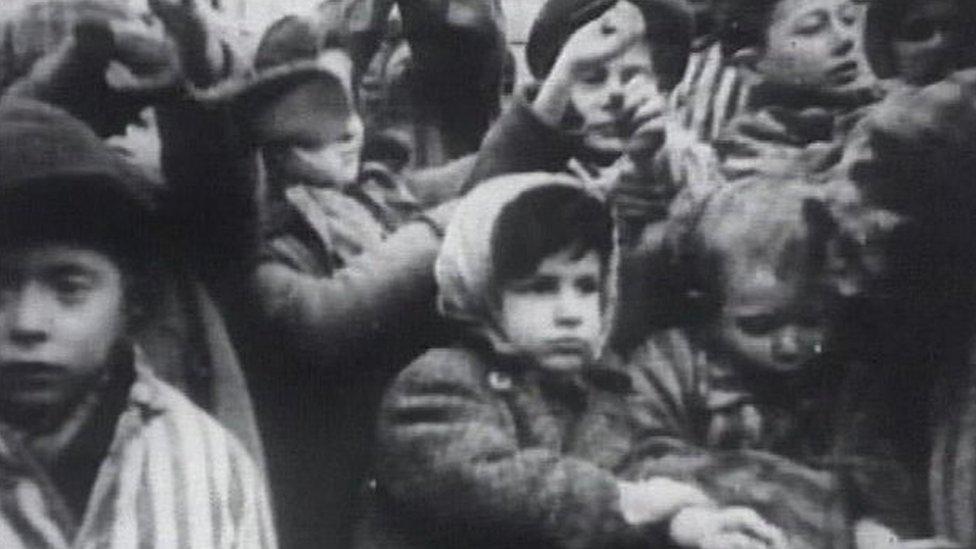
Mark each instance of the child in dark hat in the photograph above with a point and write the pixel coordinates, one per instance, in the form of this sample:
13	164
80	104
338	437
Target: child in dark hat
604	69
95	447
521	434
109	65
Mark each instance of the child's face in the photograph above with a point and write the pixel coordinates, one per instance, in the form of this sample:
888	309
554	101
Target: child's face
923	40
770	324
335	162
554	315
61	314
606	96
814	44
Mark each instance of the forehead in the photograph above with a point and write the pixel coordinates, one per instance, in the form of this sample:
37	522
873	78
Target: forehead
787	10
638	54
43	256
569	262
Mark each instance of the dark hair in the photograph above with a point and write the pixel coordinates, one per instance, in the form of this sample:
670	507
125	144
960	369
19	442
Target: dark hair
90	215
742	23
544	222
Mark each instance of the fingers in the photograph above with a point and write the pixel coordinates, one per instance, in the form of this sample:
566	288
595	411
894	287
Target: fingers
751	523
732	541
677	494
934	543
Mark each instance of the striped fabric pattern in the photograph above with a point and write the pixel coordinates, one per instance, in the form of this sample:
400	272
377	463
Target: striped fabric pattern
173	478
711	93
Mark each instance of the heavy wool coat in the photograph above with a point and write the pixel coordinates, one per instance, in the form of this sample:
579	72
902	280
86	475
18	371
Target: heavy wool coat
476	449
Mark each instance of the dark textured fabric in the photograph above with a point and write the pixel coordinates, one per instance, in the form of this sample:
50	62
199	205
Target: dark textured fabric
480	450
714	428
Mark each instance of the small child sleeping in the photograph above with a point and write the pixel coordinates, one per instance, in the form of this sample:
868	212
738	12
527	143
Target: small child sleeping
755	398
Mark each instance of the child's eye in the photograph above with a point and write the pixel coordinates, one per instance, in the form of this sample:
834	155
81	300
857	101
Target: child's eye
71	288
587	285
811	23
535	285
596	75
848	14
631	73
757	324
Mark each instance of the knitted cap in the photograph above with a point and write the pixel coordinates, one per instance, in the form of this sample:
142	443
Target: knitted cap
58	180
668	23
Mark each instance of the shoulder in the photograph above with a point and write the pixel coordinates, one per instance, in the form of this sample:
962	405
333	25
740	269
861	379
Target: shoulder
194	431
443	367
668	359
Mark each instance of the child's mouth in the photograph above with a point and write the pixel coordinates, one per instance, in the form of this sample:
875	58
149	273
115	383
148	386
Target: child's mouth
845	73
567	345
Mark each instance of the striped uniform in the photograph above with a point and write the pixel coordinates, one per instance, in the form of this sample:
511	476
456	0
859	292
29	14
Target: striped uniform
711	94
173	478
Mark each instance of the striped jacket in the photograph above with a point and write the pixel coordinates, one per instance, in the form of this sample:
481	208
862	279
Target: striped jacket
172	478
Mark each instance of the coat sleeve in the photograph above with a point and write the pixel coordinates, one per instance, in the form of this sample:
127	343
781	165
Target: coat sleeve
520	142
376	291
448	451
805	502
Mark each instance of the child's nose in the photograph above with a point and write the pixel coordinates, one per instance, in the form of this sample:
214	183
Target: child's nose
28	316
567	309
614	94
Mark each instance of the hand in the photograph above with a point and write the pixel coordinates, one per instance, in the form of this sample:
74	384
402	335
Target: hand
189	23
104	73
657	499
870	534
600	40
589	47
724	528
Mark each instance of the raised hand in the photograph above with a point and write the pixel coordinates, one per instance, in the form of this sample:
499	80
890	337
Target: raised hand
190	24
600	40
592	45
725	528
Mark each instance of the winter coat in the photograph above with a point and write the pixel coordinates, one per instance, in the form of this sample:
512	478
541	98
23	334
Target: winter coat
808	453
476	447
479	450
319	331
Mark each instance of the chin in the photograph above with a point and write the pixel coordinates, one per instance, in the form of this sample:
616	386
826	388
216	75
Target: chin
562	364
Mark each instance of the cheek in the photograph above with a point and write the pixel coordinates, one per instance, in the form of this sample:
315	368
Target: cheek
523	316
586	99
93	330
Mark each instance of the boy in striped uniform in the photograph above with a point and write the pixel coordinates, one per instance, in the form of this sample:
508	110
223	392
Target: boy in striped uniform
95	451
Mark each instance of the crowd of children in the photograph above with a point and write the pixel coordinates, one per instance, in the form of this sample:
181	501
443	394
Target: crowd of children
707	282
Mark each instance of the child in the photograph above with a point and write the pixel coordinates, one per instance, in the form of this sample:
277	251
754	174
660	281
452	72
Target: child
95	448
758	386
804	65
604	69
518	436
341	293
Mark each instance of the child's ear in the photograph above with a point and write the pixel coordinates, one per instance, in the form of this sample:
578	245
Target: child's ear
747	57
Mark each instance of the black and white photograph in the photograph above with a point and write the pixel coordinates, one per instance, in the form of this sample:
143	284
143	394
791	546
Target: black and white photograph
488	274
